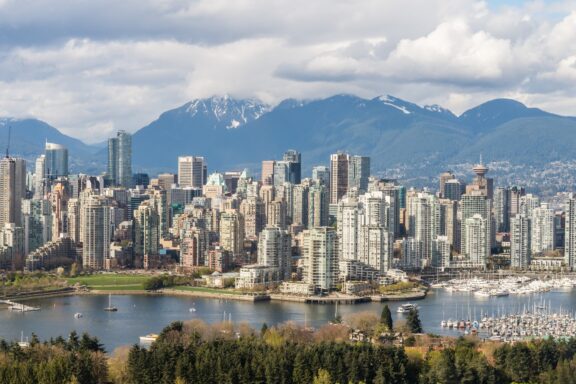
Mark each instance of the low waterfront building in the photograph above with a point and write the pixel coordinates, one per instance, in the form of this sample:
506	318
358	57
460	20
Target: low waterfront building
297	288
257	277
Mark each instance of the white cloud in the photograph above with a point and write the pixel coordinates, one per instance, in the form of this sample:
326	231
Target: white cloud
90	67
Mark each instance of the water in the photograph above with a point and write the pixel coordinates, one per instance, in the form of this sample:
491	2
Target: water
139	315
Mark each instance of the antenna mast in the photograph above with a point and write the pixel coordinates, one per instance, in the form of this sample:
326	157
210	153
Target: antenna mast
8	144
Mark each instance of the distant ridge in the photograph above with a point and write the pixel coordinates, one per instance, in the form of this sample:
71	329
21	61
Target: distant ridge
236	133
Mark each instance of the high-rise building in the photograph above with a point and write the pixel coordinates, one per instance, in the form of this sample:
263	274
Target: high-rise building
339	163
275	250
452	189
423	217
318	206
358	172
120	159
321	175
146	232
276	213
441	252
252	210
12	190
40	177
294	160
300	205
37	224
96	232
320	258
502	209
444	177
543	231
268	172
281	173
73	220
520	248
191	171
232	232
476	240
193	247
56	160
475	203
528	203
570	232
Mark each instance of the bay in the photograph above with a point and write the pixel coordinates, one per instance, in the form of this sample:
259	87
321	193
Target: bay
139	315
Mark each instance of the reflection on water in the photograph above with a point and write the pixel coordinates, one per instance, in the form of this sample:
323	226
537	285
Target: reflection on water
140	315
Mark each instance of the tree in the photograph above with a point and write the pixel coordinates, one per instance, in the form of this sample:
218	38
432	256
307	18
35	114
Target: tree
413	321
323	377
386	318
263	329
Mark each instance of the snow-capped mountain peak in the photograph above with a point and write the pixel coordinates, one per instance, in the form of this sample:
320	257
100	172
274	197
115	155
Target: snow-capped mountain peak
230	112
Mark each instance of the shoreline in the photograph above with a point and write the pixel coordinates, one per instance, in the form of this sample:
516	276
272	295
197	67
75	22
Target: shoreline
314	300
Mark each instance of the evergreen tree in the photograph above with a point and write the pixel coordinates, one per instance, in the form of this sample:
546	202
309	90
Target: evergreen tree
413	321
386	318
263	329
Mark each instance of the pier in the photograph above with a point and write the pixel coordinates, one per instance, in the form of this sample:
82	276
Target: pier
18	307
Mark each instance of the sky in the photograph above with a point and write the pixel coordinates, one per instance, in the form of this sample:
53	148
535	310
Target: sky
90	68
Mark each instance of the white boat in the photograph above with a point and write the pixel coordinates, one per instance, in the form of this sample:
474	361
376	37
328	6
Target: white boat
404	308
148	339
110	307
482	293
78	315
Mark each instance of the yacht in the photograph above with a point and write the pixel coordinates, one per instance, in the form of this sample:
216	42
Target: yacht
404	308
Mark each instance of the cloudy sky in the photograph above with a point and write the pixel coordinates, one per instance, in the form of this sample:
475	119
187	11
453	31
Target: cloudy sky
92	67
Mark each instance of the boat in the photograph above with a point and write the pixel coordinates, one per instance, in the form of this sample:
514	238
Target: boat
110	307
404	308
78	315
482	293
148	339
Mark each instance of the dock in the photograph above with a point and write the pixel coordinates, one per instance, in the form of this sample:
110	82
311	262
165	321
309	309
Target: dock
322	299
18	307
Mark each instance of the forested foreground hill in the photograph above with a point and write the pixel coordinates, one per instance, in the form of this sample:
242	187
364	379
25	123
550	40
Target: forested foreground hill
194	352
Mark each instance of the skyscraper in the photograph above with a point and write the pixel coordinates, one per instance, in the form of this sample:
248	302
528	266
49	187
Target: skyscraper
476	240
543	232
120	159
320	258
321	175
12	190
358	172
275	250
339	163
475	203
96	232
39	177
191	171
268	172
294	160
56	160
520	248
570	233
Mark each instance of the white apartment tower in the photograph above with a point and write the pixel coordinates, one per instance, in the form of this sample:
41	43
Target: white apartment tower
520	249
96	234
543	234
320	258
275	250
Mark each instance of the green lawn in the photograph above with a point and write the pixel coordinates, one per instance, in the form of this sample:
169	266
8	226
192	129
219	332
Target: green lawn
110	282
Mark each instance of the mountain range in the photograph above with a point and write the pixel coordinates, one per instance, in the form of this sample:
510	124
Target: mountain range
236	133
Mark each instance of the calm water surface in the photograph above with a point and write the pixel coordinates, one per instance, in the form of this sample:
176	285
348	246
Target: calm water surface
139	315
